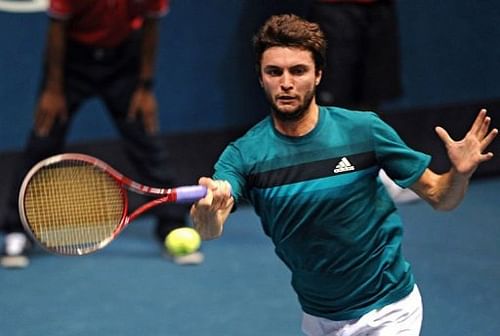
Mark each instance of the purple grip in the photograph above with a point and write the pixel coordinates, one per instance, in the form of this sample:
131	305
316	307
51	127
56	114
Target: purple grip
190	194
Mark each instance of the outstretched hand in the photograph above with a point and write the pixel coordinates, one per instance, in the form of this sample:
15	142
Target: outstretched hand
465	155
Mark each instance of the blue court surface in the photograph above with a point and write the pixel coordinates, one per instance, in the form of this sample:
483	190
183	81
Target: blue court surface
242	289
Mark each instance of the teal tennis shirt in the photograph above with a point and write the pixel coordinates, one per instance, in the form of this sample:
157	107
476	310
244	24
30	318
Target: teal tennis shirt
321	202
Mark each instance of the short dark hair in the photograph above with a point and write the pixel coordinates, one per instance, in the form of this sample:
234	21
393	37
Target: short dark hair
289	30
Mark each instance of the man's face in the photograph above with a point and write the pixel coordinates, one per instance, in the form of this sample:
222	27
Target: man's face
289	79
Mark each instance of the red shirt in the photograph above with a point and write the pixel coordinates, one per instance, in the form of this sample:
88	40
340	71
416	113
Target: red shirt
104	23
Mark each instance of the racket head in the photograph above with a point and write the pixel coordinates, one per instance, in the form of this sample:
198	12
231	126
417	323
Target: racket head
72	204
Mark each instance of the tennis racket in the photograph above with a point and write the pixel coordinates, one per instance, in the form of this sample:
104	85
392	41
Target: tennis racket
75	204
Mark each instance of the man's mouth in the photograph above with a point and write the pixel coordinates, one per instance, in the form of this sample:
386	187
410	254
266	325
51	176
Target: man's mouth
285	98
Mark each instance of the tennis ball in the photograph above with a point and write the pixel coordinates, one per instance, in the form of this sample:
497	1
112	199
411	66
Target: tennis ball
182	241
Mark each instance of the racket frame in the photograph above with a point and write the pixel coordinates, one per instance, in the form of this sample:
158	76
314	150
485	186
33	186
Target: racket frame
165	195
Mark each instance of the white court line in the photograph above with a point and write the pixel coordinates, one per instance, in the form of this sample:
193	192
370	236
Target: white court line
23	6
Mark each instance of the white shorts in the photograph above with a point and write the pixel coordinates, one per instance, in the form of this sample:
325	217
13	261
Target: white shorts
403	317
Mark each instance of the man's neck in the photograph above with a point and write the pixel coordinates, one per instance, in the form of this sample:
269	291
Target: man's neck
297	128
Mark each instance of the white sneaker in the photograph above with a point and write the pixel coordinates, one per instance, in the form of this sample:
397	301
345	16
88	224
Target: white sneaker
15	251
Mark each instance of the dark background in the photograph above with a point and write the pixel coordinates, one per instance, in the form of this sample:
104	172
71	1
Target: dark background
206	81
208	91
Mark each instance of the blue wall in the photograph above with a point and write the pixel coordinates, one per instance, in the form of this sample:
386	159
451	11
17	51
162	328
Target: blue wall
450	51
205	78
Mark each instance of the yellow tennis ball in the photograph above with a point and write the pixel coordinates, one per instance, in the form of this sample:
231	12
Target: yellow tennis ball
182	241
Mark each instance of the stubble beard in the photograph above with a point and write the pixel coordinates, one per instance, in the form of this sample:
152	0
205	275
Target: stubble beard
296	114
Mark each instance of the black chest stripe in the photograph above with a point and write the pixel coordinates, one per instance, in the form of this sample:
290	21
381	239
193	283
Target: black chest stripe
312	170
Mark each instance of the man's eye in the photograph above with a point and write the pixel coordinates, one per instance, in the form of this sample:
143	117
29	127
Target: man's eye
274	72
298	71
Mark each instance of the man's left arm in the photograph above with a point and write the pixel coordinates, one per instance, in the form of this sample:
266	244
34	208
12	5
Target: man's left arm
446	191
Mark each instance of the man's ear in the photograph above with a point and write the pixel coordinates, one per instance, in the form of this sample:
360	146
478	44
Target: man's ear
319	74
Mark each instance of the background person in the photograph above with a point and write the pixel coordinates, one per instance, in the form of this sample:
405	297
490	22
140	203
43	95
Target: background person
103	49
363	67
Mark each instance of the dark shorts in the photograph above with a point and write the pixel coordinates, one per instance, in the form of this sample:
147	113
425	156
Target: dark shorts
363	56
110	74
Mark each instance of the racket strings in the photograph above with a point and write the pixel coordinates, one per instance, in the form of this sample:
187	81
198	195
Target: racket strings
73	206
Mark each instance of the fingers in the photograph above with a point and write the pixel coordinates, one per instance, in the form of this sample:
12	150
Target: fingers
218	194
133	111
483	122
44	128
481	128
222	194
134	107
44	120
150	122
443	135
485	126
143	105
489	139
478	124
485	157
41	126
149	119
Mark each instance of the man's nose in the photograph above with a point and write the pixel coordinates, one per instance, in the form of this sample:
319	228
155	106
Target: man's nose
286	81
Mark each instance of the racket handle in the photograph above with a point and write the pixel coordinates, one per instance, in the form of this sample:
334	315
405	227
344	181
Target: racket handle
190	194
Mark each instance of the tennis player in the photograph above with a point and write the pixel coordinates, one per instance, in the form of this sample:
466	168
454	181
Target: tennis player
311	174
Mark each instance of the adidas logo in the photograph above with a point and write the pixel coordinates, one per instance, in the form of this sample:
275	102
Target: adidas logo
343	166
